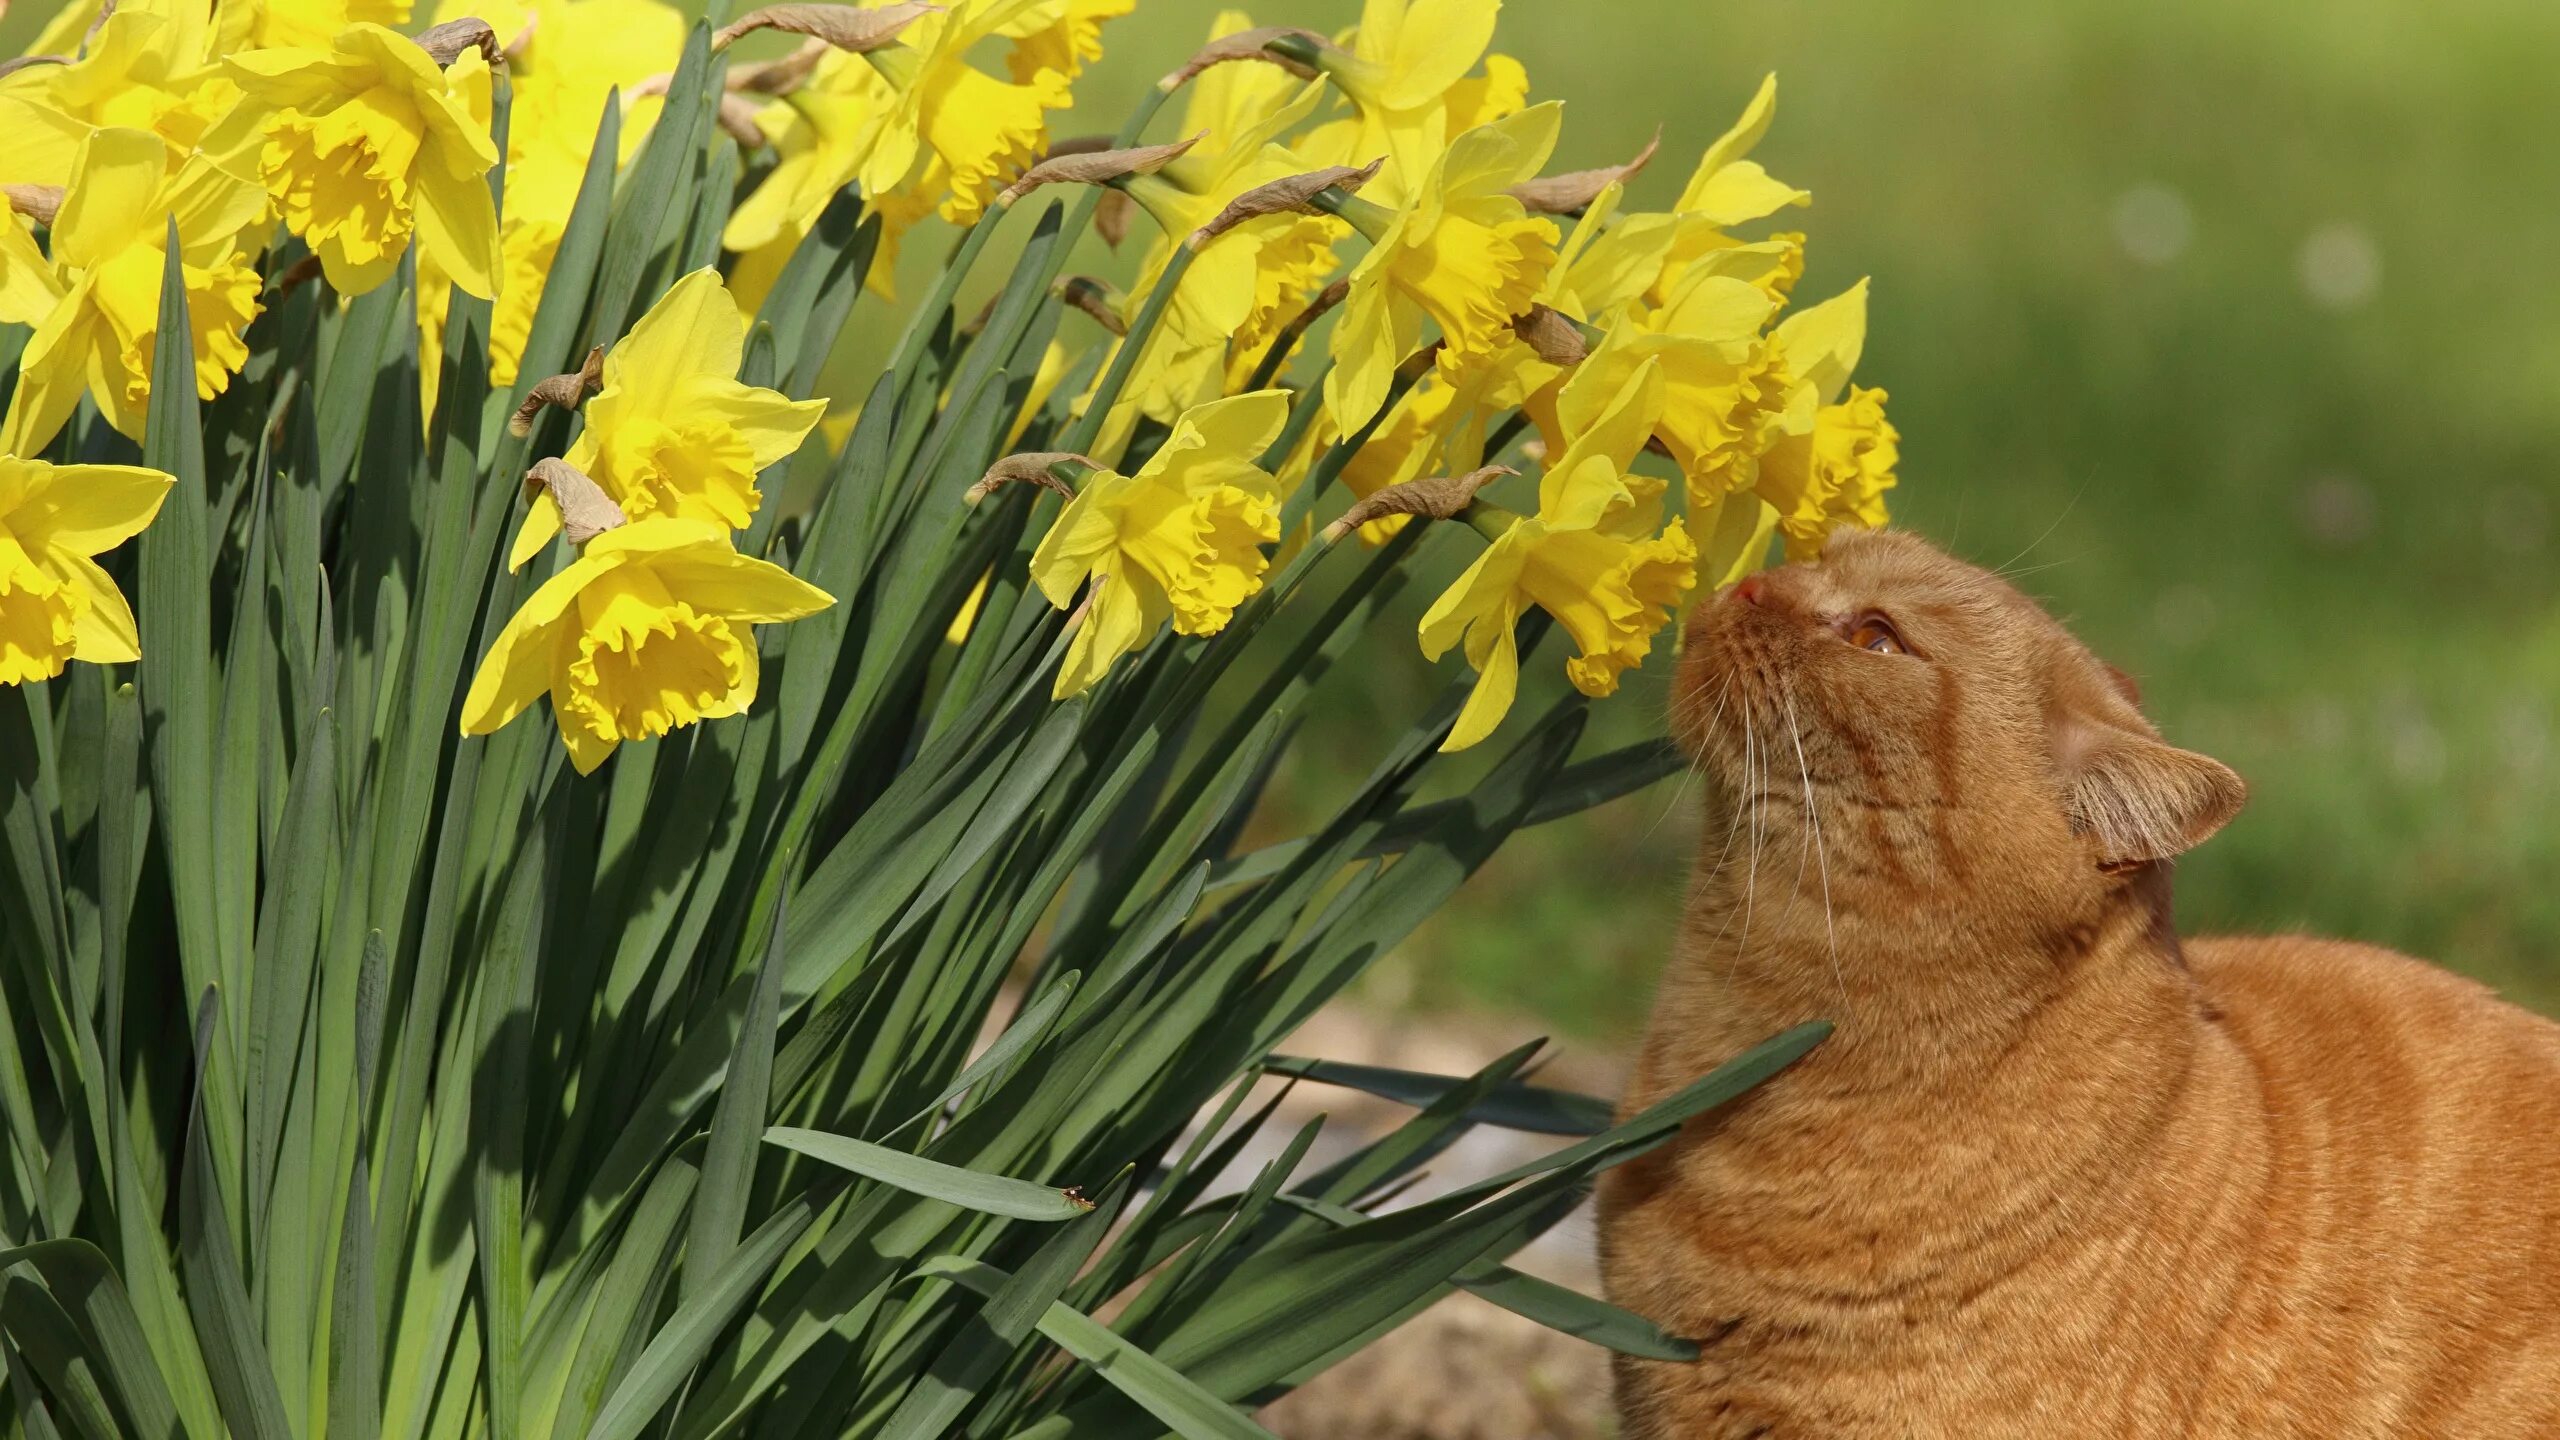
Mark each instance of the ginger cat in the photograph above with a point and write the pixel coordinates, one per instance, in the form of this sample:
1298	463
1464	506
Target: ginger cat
2057	1173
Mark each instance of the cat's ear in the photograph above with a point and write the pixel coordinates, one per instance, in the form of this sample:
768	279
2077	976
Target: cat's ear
2139	798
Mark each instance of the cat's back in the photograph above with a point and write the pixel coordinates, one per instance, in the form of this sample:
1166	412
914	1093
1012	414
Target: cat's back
2346	1018
2411	1124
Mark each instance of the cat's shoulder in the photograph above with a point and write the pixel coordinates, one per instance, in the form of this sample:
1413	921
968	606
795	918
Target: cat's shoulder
2340	989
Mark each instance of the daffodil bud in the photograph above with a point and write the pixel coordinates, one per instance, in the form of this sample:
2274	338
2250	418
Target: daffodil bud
1571	192
1093	167
1055	471
1438	497
846	27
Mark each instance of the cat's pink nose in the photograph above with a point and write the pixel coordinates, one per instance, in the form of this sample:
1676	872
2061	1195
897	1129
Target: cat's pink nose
1750	590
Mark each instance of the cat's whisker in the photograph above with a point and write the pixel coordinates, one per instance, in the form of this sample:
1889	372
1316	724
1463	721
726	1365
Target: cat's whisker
1751	876
1822	857
2002	569
1689	772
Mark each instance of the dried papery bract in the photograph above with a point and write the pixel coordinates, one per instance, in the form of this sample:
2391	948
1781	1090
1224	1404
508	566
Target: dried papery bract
779	76
846	27
1111	217
11	67
1247	45
296	275
1552	334
737	116
1573	191
445	43
39	203
564	391
585	510
1095	298
1095	167
1290	194
1436	497
1032	467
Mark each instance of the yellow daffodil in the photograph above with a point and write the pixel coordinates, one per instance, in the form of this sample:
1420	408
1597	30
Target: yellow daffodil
1405	448
27	287
1180	540
565	57
308	24
1060	36
56	605
1836	459
149	67
1405	76
921	129
1728	189
1726	384
648	631
108	257
1590	557
673	432
951	129
1600	275
367	142
1242	285
1465	256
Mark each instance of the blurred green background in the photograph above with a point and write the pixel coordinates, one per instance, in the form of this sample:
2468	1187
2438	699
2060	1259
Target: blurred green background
2229	327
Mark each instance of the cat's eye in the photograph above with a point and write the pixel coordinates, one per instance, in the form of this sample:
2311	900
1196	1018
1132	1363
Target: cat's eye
1874	632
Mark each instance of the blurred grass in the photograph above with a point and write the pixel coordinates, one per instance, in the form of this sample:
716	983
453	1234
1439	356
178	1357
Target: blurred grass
2322	532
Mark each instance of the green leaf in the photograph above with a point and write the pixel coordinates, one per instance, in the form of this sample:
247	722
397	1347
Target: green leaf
652	191
729	1161
1530	1108
680	1345
82	1282
1554	1306
1158	1388
176	674
355	1347
969	1189
964	1363
243	1378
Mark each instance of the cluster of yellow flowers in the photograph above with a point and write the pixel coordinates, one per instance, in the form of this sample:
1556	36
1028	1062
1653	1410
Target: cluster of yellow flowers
226	127
1636	332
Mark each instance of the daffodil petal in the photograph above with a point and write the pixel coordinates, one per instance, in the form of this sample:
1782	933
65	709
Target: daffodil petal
717	580
1822	342
105	633
1497	682
115	178
51	375
458	224
520	663
88	509
541	522
772	423
693	330
587	749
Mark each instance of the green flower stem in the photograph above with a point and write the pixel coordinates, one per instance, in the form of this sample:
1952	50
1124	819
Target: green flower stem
1081	215
1366	216
1080	435
1302	416
1338	457
1266	369
1488	519
921	323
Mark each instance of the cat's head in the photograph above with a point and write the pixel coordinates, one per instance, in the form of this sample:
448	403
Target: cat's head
1945	734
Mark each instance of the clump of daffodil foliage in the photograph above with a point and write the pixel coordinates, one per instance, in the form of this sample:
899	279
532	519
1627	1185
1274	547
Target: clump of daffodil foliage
548	889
